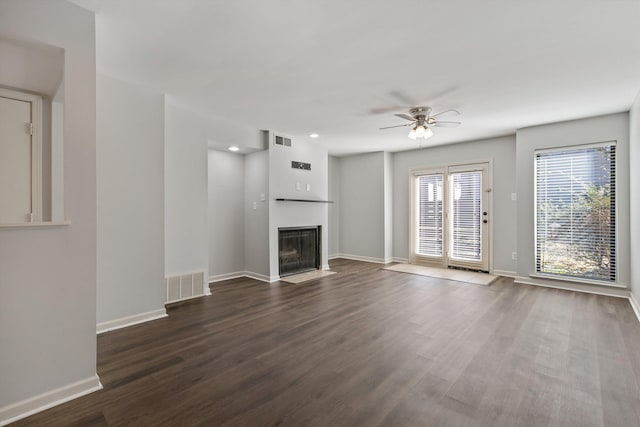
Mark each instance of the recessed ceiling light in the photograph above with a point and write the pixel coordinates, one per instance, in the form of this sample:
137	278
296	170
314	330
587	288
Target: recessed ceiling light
313	135
233	148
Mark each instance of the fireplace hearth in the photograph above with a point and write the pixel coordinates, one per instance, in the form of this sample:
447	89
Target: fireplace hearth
298	249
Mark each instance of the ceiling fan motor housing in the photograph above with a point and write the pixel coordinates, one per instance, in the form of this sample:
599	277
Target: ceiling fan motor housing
420	111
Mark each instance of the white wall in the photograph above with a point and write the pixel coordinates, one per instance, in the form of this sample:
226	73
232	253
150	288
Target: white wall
256	221
613	127
501	153
130	191
226	213
362	206
186	241
335	184
220	132
48	275
634	197
282	184
33	67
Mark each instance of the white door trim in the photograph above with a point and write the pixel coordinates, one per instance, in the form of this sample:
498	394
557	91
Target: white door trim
36	147
414	258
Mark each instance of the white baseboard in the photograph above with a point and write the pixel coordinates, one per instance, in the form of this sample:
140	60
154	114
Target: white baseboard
226	276
334	256
187	298
576	287
24	408
505	273
634	305
364	258
123	322
401	260
250	275
261	277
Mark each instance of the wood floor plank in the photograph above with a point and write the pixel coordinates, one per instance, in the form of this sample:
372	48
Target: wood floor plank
370	347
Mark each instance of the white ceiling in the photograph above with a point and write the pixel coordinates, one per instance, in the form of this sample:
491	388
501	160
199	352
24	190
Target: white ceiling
323	65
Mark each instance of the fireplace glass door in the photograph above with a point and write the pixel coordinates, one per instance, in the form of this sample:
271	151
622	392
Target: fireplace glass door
298	250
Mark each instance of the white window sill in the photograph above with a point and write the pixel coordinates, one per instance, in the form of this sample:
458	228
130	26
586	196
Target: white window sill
32	225
576	280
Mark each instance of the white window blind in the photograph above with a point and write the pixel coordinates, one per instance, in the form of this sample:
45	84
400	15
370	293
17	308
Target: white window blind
430	215
575	212
466	215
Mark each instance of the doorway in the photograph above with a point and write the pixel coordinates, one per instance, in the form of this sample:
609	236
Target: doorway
20	157
450	215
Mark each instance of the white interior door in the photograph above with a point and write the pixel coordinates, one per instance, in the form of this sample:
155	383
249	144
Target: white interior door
15	161
450	217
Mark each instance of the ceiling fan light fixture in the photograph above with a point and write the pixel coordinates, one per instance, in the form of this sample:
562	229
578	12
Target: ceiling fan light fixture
422	122
428	133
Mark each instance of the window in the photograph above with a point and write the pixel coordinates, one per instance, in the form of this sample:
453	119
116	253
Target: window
430	225
466	226
575	212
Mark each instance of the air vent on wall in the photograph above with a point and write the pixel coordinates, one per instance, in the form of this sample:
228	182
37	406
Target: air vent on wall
282	140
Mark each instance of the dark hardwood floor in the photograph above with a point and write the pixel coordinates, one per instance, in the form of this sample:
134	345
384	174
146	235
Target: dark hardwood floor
370	347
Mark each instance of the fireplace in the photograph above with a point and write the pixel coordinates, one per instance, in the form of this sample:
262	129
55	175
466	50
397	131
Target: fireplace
298	249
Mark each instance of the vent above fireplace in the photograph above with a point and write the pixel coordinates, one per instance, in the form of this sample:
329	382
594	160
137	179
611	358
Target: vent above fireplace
282	140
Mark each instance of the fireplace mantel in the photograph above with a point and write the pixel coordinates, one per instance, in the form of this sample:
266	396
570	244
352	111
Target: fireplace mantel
303	200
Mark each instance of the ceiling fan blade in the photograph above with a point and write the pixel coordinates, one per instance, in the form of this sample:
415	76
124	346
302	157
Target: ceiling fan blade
396	126
446	124
406	117
403	97
451	111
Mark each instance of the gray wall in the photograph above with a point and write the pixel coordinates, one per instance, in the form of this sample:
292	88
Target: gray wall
186	198
256	222
48	275
501	153
130	192
362	201
634	197
335	184
613	127
226	213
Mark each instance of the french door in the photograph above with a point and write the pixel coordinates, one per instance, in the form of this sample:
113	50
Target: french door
450	216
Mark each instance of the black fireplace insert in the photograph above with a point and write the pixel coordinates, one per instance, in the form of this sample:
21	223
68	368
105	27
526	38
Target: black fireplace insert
298	249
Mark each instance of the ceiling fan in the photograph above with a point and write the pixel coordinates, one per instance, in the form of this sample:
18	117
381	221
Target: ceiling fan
421	121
